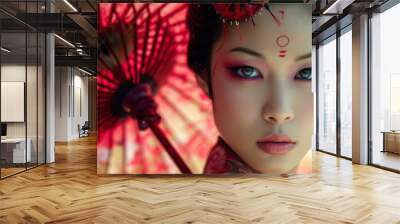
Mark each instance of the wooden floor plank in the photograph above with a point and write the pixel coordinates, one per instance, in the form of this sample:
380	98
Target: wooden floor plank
69	191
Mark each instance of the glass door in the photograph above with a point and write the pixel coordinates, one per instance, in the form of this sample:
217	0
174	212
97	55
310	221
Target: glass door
14	153
22	78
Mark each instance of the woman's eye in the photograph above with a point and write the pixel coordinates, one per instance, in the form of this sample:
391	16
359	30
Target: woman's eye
304	74
246	72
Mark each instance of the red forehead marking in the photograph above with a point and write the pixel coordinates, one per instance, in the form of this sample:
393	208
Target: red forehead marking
282	53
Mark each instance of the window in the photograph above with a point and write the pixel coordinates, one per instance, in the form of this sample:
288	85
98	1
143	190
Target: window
385	89
346	93
327	96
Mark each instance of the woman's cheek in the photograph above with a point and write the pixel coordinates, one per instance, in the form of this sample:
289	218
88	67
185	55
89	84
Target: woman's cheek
304	102
235	101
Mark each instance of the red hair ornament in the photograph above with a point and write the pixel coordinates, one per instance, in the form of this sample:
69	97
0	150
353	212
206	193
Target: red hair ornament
237	12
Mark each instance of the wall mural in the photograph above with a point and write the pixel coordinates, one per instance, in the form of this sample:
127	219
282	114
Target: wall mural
204	88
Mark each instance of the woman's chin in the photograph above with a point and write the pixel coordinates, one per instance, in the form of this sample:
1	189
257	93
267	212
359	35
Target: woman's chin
282	168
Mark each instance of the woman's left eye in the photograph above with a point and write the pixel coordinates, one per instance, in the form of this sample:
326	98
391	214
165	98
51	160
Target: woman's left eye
246	72
304	74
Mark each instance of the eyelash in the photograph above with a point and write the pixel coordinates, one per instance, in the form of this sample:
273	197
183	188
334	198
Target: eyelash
303	77
236	70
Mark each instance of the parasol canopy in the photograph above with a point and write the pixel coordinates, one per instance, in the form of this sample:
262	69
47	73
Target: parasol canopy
143	46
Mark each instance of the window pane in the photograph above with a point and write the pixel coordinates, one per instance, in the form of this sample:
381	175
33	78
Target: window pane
346	94
327	96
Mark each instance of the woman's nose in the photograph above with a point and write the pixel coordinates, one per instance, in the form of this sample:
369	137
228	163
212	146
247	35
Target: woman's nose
278	109
278	117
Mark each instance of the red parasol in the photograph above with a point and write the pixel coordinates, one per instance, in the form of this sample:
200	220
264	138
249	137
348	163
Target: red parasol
143	77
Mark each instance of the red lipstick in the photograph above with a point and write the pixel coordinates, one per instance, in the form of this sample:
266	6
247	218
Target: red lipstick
276	144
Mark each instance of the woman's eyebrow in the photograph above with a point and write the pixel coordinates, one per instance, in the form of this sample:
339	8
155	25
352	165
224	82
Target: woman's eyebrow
304	56
247	51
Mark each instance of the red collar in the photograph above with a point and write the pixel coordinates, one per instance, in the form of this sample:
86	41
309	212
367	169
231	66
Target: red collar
222	159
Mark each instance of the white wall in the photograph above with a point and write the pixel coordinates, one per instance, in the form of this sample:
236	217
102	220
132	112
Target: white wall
16	73
80	102
71	94
13	72
61	103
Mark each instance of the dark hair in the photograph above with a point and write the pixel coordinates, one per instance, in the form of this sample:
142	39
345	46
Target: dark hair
205	28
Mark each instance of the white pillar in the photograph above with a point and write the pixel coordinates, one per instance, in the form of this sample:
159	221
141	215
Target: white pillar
50	93
360	90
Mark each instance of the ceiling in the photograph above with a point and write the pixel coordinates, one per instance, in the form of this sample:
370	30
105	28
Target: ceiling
76	22
72	20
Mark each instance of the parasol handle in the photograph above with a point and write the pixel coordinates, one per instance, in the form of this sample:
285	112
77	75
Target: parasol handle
141	106
170	149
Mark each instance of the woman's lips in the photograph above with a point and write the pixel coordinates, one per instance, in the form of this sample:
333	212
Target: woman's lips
276	144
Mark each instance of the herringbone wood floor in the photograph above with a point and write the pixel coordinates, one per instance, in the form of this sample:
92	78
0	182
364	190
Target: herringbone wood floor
69	191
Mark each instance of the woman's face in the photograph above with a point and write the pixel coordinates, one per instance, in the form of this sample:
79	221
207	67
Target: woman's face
261	80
